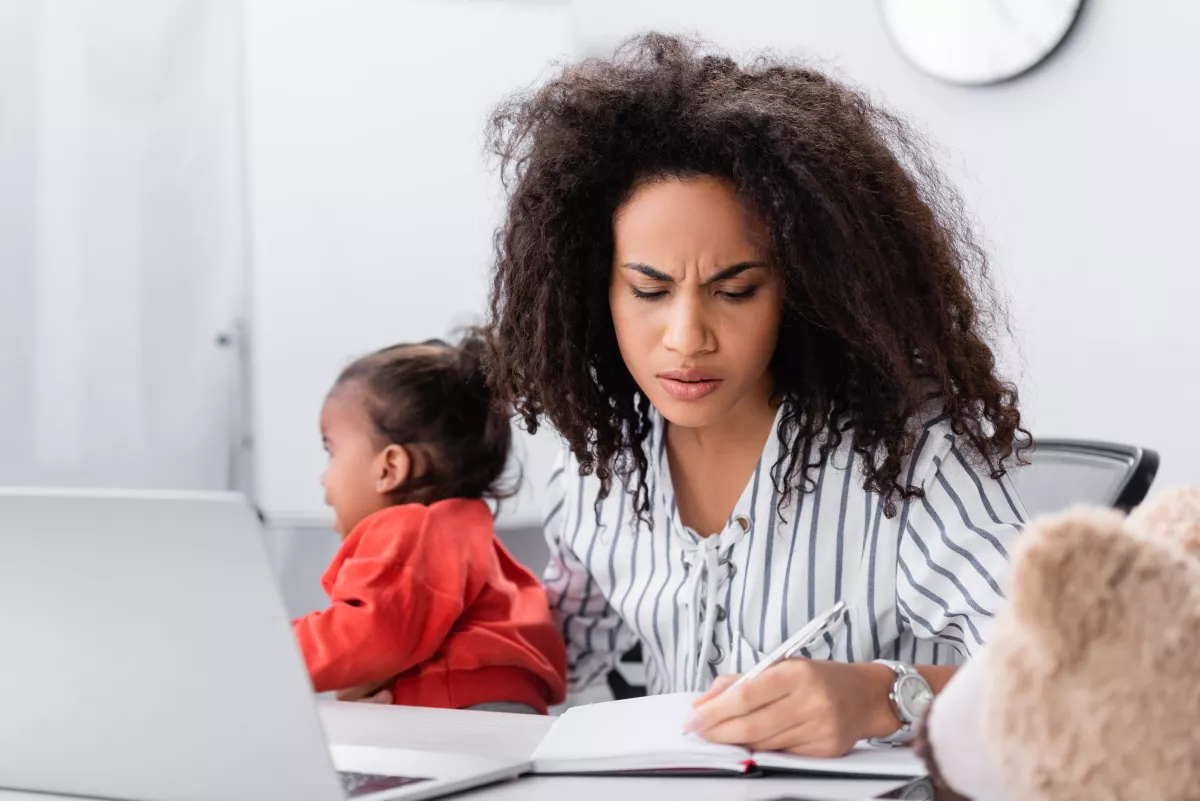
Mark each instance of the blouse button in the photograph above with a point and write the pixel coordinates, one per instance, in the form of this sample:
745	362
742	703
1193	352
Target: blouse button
718	657
720	613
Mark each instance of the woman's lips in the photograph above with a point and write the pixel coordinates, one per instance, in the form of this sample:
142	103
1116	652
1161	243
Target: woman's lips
689	384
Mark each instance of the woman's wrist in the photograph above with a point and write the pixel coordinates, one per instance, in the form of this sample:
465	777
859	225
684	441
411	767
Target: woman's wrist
879	720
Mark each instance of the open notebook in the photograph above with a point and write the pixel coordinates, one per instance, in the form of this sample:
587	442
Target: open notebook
646	735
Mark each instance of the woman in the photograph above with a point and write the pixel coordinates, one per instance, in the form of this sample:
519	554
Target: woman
754	311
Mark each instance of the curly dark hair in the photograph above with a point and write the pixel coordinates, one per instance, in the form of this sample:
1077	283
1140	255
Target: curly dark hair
887	296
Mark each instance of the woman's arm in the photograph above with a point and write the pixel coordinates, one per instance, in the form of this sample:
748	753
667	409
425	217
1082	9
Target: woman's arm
878	681
951	571
813	708
596	636
954	551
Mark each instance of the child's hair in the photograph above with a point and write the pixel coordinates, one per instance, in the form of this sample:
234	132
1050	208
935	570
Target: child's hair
433	398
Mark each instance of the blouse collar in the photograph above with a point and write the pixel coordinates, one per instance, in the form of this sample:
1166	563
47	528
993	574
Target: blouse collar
743	511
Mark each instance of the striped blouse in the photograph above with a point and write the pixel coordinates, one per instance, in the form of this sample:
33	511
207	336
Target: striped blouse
922	586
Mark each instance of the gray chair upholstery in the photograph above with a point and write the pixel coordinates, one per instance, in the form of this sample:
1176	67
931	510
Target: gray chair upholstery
1064	472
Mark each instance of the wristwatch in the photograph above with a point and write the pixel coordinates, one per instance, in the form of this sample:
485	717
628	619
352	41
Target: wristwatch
910	696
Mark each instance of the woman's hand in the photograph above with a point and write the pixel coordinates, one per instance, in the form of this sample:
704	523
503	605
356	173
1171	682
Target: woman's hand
809	708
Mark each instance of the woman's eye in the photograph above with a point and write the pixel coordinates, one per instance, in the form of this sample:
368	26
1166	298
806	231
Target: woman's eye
644	295
739	294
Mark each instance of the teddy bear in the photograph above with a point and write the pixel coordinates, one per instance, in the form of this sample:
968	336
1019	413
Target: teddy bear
1089	687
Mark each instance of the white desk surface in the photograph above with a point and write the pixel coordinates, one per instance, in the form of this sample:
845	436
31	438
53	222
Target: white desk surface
498	734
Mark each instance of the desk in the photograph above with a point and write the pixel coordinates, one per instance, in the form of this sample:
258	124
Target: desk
498	734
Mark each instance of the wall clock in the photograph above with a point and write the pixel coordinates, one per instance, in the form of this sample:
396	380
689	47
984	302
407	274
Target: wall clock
979	42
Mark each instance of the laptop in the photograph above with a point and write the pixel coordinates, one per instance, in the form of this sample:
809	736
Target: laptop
145	655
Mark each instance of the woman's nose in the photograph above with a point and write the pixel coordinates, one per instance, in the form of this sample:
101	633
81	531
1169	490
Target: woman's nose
688	332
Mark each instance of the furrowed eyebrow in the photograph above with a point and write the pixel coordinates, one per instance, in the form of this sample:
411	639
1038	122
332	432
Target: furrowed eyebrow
734	271
650	272
729	272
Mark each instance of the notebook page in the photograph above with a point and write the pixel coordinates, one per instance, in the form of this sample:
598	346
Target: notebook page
636	734
864	760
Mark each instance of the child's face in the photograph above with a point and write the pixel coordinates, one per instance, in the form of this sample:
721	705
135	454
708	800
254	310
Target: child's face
355	482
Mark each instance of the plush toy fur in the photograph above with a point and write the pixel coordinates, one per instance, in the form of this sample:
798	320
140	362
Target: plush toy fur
1090	685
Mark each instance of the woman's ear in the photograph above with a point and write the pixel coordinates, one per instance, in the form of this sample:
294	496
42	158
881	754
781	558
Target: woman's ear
395	466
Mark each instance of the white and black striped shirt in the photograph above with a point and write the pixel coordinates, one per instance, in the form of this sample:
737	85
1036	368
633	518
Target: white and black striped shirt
922	586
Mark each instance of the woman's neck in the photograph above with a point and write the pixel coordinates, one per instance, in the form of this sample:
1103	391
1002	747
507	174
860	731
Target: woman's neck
747	424
710	466
736	431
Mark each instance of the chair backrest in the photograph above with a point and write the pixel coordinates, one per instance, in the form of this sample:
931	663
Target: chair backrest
1065	472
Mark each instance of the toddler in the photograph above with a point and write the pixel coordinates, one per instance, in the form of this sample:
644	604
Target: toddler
426	605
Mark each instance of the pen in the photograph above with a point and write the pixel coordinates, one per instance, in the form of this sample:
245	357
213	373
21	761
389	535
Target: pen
806	636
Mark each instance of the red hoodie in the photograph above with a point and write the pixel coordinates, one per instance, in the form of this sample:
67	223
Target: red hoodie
427	594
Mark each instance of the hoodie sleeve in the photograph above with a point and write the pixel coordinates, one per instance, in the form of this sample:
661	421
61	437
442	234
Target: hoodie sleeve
393	602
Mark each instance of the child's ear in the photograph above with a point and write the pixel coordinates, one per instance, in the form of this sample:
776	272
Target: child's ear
395	467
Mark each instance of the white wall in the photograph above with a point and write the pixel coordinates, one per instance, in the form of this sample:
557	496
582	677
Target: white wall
372	203
1082	173
1079	173
121	242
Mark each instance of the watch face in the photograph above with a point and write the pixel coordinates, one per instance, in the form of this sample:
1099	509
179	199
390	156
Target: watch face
913	696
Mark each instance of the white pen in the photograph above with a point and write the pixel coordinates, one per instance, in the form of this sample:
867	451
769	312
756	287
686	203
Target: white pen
806	636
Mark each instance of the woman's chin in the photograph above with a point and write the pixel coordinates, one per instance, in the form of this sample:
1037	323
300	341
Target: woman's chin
691	413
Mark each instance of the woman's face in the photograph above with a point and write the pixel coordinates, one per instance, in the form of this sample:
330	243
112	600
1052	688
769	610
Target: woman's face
695	304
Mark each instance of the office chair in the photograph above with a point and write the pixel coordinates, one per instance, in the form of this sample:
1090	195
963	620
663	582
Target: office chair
1064	472
1060	473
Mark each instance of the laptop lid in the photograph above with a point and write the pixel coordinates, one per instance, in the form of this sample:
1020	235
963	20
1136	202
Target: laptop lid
145	653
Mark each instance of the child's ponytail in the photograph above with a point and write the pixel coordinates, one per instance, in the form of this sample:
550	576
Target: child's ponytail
495	439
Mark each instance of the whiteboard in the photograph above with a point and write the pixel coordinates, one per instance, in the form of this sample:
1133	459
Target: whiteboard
371	204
